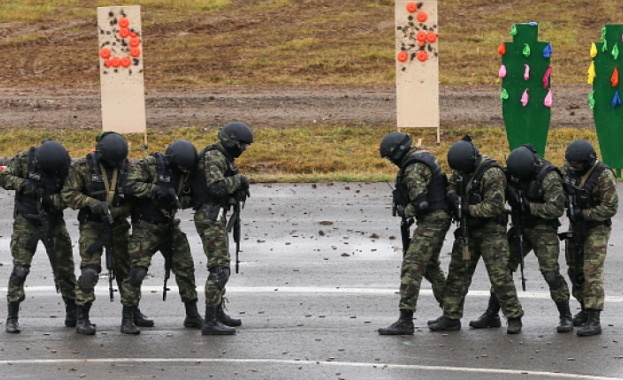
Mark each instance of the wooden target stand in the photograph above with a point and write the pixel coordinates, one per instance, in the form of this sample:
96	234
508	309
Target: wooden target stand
121	70
417	66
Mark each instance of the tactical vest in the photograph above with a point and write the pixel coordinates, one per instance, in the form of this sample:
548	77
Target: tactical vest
581	197
533	190
475	195
96	189
51	184
149	209
436	189
200	191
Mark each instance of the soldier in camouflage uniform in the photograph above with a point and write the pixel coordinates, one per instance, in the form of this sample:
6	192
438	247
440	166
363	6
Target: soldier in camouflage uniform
95	187
536	196
159	185
420	193
592	201
216	186
477	185
37	177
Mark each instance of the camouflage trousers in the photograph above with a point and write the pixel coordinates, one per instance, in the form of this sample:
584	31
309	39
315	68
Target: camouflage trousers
91	234
590	292
488	241
422	260
23	252
171	242
543	239
215	241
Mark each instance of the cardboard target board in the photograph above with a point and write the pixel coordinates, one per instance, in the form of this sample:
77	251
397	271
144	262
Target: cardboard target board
121	69
417	65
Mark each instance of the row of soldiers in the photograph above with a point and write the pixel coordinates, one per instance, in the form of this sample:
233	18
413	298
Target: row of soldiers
107	190
475	195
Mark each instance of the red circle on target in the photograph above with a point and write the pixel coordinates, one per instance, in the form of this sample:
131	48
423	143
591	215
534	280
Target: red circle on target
126	62
422	16
105	53
124	32
135	52
115	62
402	56
135	41
431	37
411	7
124	22
422	56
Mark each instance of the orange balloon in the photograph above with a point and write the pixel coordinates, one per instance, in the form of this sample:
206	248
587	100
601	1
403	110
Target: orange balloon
411	7
422	16
421	35
402	56
115	62
422	56
614	79
135	52
124	32
126	62
134	41
105	53
431	37
502	49
124	22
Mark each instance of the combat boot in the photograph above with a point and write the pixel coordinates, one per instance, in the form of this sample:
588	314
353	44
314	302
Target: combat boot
446	324
12	325
592	325
84	325
127	321
490	318
140	319
193	319
566	322
71	312
514	325
433	321
581	317
403	326
226	319
212	326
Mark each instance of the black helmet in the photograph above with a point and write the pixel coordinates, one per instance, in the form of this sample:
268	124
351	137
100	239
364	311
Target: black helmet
463	155
52	156
111	148
235	137
394	146
580	156
522	161
181	153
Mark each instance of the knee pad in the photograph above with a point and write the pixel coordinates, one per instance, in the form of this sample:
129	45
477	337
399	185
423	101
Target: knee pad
18	275
219	276
137	275
553	279
88	279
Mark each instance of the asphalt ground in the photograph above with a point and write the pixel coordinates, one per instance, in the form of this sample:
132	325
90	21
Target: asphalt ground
319	274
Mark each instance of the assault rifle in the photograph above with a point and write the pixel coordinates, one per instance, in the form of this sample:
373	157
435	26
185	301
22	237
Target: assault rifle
516	218
45	235
110	253
576	239
461	218
166	247
405	228
234	221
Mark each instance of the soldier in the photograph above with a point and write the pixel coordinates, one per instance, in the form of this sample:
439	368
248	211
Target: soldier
420	193
592	201
476	189
215	187
536	196
159	185
95	187
37	177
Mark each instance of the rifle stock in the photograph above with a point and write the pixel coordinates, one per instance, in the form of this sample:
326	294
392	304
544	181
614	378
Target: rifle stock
110	254
519	232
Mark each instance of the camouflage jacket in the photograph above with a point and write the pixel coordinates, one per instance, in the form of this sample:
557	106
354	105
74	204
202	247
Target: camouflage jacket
220	174
553	206
604	196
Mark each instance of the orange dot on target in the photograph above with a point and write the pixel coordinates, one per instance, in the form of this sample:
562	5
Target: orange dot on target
135	52
402	56
124	32
105	53
133	35
411	7
124	22
421	43
421	35
431	37
125	62
115	61
107	63
422	56
134	42
421	16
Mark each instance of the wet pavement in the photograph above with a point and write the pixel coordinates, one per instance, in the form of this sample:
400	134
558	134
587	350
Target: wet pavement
318	276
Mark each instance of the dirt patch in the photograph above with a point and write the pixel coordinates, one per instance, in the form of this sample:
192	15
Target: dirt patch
271	106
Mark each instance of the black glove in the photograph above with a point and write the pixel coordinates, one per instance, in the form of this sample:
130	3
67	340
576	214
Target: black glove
453	199
400	210
100	208
28	188
241	195
576	215
164	193
513	197
244	183
526	203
